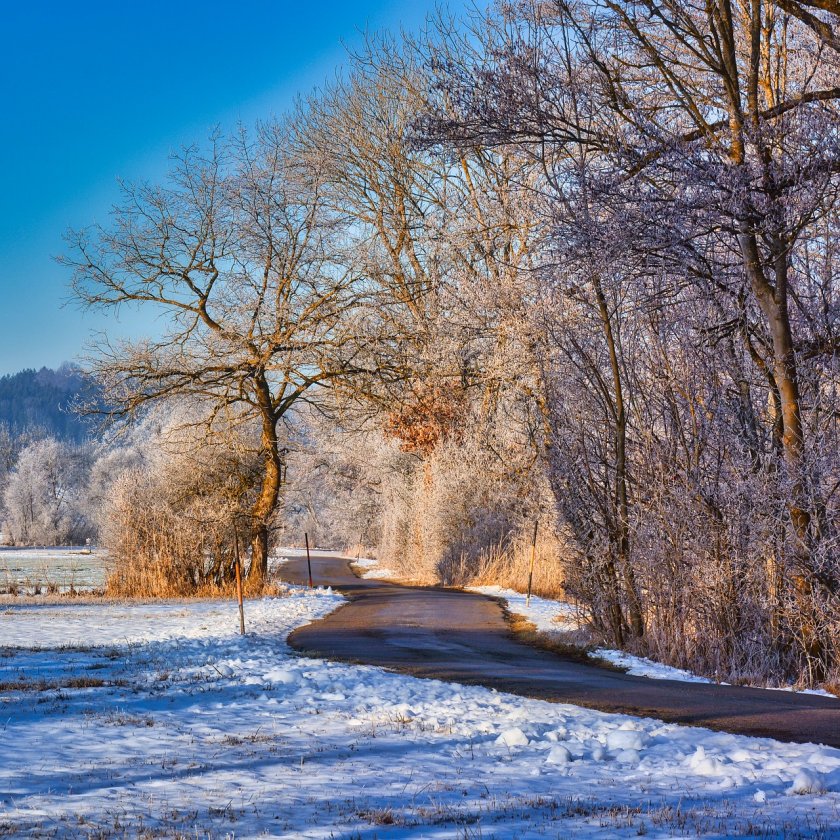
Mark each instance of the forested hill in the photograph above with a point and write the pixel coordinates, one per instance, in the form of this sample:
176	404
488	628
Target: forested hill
42	399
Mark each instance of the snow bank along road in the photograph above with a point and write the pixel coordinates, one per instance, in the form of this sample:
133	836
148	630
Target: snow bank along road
462	637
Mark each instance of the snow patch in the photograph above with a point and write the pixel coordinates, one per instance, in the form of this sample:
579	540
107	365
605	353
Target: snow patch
625	739
545	614
558	755
807	782
639	666
513	738
373	571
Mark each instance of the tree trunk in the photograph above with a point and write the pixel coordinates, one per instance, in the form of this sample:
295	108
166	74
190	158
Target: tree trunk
622	536
773	303
266	503
259	557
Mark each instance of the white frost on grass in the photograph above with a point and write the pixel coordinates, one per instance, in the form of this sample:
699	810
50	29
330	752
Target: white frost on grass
61	567
129	624
186	728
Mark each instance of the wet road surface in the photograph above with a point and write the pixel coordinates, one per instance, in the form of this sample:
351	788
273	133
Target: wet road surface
463	637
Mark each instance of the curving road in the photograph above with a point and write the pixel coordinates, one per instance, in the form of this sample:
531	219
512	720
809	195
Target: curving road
463	637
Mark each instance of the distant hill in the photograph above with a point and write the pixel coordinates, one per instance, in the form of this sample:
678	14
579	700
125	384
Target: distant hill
42	399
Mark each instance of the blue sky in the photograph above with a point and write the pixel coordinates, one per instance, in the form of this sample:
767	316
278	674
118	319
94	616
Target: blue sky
93	90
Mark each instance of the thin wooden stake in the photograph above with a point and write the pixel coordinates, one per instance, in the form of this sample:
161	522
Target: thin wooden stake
531	569
238	568
308	561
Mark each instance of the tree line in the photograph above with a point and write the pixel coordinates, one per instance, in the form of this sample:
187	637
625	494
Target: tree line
44	399
566	261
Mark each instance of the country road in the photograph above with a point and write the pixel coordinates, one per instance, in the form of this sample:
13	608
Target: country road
463	637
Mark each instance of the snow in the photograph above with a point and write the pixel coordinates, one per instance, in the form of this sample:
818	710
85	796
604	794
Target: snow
159	719
372	570
639	666
807	782
819	692
128	624
547	615
551	616
513	738
625	738
79	568
558	755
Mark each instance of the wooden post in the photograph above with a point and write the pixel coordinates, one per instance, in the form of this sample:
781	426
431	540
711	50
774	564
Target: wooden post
238	568
308	561
531	570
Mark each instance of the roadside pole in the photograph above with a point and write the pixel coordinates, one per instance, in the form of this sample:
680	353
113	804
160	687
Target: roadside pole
238	567
531	569
308	561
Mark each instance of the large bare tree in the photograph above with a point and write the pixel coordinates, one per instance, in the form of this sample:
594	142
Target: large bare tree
238	255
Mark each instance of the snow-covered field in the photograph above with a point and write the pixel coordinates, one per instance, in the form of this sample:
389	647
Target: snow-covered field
63	568
119	720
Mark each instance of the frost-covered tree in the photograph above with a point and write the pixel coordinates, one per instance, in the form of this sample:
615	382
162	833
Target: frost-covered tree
440	239
43	499
687	323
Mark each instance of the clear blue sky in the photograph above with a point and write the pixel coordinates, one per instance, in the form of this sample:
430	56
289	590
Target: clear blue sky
93	90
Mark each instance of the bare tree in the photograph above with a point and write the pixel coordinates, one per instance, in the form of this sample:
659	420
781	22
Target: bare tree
238	253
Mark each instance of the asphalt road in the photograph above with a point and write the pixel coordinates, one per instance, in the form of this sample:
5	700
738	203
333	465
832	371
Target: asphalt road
463	637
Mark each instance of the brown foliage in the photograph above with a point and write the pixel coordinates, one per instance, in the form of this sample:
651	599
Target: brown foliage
430	416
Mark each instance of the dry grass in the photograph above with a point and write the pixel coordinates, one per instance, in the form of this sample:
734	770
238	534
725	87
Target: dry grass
145	578
380	816
832	686
47	685
153	580
509	567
